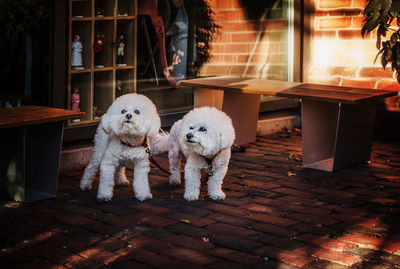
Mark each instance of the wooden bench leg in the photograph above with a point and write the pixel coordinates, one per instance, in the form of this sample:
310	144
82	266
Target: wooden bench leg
242	108
336	135
30	161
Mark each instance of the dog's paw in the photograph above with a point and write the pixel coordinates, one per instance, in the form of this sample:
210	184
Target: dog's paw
85	186
174	182
104	198
218	196
191	197
123	183
144	197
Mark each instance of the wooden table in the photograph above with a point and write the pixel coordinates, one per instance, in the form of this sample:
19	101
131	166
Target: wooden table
337	122
30	146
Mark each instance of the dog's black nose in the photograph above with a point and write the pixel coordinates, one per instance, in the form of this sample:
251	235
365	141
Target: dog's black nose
189	136
128	116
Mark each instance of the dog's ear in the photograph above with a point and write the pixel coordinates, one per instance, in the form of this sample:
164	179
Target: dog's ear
155	125
105	123
227	135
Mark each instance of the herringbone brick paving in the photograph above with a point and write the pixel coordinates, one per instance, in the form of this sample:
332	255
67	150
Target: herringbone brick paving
276	215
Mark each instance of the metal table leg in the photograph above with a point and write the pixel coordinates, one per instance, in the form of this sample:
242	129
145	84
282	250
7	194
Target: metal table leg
336	135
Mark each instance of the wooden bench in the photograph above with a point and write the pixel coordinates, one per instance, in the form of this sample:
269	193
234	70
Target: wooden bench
30	146
337	122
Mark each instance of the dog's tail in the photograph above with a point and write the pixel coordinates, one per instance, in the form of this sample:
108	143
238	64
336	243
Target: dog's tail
160	141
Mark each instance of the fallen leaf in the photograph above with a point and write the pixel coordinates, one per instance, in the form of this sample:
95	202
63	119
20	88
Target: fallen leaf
184	220
295	203
290	174
205	239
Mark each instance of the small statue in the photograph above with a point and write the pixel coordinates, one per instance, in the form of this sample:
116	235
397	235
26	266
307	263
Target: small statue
120	49
96	117
118	88
98	49
76	57
99	11
75	102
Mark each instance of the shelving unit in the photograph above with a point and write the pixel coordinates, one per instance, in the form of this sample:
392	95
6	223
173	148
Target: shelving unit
96	81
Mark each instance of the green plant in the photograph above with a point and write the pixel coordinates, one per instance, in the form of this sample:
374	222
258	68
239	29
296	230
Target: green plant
381	14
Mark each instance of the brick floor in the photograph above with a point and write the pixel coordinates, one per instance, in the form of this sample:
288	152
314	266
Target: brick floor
276	215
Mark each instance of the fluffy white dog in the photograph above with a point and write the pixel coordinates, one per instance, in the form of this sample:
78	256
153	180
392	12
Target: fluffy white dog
121	140
205	136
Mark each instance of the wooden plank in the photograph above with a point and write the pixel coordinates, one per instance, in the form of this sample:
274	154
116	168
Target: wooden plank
336	93
240	85
30	115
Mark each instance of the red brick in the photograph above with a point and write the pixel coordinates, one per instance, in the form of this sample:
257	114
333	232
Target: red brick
274	229
99	255
357	22
326	243
189	255
190	219
272	219
243	37
199	244
359	3
152	220
334	256
238	221
363	241
227	209
334	23
74	220
158	210
258	208
291	257
236	256
376	72
235	242
334	3
223	228
349	34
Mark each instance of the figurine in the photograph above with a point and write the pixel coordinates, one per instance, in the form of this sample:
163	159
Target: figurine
98	49
75	102
76	57
99	11
118	88
120	49
95	113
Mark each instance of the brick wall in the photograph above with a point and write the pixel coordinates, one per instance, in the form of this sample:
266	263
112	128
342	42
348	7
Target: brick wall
338	55
237	41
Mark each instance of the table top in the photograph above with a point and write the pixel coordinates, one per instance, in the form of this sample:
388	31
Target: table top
328	93
241	85
30	115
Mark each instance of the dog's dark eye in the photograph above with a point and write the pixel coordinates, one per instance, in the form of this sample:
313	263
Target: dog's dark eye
123	111
137	112
202	129
191	127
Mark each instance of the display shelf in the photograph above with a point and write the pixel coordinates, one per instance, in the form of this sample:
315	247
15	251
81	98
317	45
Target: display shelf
81	9
126	7
104	8
96	80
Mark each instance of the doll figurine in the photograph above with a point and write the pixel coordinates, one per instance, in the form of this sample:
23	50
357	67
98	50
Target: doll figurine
118	88
75	100
76	57
99	11
98	49
120	49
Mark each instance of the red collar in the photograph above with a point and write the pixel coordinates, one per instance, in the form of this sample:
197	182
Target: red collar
144	144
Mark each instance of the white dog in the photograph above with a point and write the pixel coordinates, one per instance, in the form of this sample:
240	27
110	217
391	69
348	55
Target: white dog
205	136
122	139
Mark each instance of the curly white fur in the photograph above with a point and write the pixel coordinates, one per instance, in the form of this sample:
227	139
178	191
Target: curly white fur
204	132
131	118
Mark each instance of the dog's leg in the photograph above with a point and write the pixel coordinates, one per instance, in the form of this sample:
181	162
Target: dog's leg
101	141
140	184
192	180
174	159
107	172
120	177
215	183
